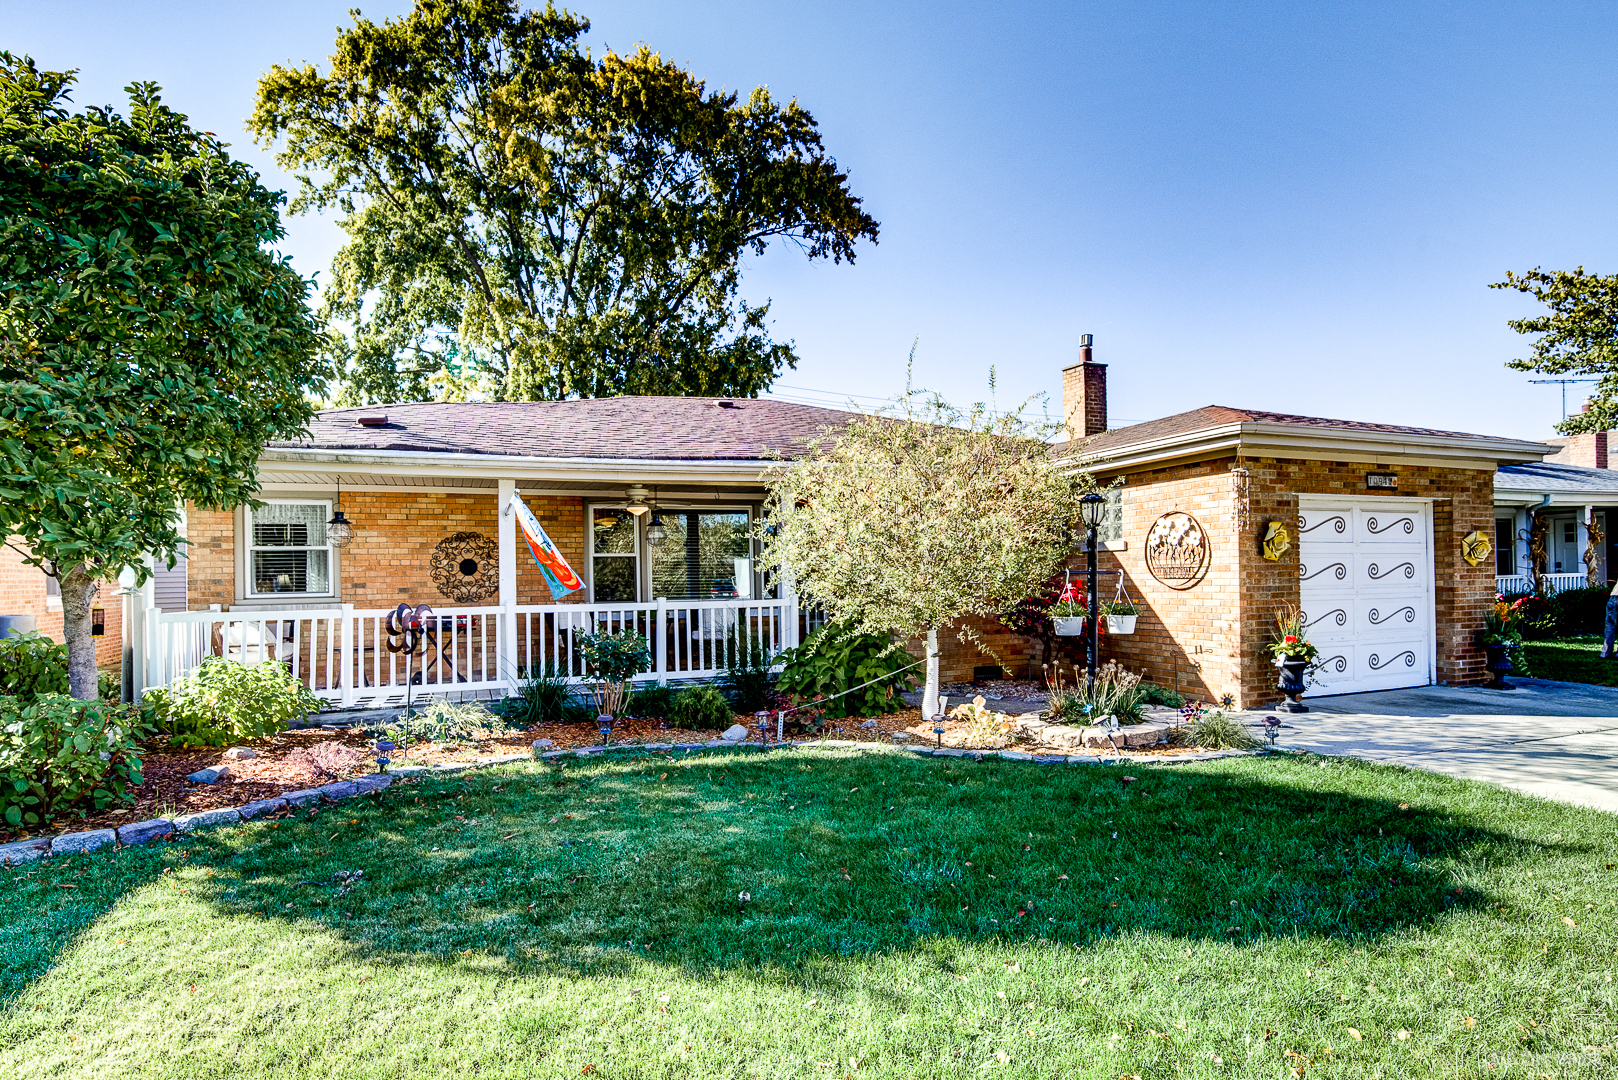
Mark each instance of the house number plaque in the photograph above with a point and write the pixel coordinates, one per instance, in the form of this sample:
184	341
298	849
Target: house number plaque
1382	481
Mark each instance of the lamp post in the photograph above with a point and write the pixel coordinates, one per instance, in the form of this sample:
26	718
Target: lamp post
1092	510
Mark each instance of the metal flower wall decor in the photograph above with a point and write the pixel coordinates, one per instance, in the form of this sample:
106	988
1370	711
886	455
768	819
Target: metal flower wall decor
1475	547
1177	550
1277	541
466	567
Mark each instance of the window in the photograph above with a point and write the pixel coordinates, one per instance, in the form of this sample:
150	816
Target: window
288	552
704	556
1504	546
1112	526
614	555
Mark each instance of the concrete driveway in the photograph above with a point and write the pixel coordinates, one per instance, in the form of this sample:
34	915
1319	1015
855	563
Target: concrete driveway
1555	739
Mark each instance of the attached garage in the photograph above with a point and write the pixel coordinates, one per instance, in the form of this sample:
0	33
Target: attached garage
1365	584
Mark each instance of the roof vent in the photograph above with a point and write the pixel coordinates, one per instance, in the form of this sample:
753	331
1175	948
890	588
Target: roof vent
372	421
728	405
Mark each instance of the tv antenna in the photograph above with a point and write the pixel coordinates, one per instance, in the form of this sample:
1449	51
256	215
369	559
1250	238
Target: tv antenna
1564	383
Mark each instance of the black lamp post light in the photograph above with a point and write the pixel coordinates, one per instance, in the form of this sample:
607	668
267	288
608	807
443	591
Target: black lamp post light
1092	512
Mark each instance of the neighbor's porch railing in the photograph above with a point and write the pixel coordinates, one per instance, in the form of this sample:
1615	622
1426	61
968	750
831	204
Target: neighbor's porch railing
1511	584
341	653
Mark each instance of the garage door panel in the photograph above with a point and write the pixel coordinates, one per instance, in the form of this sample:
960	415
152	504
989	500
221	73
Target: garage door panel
1365	569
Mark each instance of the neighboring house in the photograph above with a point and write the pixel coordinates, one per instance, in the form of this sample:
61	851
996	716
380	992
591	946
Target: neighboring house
1563	498
1375	515
28	590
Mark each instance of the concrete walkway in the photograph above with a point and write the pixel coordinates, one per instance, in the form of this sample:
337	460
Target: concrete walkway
1555	739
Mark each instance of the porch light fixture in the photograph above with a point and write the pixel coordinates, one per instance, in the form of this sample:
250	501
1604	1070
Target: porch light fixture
637	500
98	621
338	531
655	532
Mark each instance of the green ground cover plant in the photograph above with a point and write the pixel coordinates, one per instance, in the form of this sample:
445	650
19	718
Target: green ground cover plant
32	664
1571	659
835	658
58	754
225	701
835	914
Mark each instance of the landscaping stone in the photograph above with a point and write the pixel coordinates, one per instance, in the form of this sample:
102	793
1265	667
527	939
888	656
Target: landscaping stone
737	733
211	775
206	819
658	746
24	851
252	810
1016	755
869	724
718	743
408	770
343	789
69	843
900	736
543	744
241	753
144	832
552	755
366	784
298	798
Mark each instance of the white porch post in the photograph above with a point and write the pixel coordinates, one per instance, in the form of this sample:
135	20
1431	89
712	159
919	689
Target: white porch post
345	653
789	609
506	640
660	638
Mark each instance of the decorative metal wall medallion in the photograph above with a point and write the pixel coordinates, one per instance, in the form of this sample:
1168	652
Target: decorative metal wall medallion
1177	550
465	567
1475	548
1277	541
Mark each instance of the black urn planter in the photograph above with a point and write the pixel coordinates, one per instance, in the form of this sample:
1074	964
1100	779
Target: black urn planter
1292	685
1499	662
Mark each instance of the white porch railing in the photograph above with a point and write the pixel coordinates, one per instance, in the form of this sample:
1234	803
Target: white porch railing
341	653
1554	583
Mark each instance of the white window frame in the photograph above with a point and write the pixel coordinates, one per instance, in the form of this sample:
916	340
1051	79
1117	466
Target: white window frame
53	593
590	553
249	590
750	509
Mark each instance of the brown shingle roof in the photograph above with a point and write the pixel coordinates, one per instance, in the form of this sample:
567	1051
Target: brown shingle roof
1215	416
667	428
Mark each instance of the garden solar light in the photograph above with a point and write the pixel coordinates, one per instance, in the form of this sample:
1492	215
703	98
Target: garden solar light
938	729
383	749
762	719
1272	728
605	720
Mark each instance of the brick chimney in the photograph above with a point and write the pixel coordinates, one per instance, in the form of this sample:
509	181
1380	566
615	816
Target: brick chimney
1084	393
1588	450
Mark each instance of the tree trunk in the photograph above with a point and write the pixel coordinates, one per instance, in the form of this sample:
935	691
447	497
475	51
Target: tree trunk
929	696
78	593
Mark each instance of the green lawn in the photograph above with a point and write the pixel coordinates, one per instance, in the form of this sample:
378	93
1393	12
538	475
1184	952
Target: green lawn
1573	659
908	918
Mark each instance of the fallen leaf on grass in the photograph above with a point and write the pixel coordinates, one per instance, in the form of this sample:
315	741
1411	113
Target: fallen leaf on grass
1469	1022
1354	1033
1061	877
61	886
1401	1034
508	837
1569	921
813	1002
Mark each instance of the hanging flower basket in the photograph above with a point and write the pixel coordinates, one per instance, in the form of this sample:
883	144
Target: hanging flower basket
1121	624
1069	627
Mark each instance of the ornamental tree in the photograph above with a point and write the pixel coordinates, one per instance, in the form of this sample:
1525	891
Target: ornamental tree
1580	337
912	520
150	341
528	222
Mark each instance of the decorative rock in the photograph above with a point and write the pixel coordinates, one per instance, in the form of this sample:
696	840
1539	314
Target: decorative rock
211	775
70	843
869	724
24	851
240	753
341	790
588	751
658	746
1016	755
366	784
144	832
900	736
543	744
735	733
205	819
254	809
298	798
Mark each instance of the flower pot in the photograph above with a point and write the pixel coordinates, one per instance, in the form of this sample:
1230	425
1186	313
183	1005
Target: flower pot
1069	627
1499	662
1292	684
1121	624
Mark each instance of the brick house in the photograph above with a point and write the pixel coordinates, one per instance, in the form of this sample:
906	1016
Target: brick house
28	590
1554	519
1375	516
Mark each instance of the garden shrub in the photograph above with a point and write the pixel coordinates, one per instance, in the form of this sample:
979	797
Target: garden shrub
700	707
32	665
57	752
650	702
614	657
441	720
1579	611
1152	694
1217	730
748	681
545	697
226	701
1116	693
834	658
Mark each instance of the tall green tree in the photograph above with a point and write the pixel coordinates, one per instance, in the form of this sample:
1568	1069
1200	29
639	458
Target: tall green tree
1580	337
527	222
150	341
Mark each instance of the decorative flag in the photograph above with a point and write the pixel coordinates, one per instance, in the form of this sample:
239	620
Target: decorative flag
558	574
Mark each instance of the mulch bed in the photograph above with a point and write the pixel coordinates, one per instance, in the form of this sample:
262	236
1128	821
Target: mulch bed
165	792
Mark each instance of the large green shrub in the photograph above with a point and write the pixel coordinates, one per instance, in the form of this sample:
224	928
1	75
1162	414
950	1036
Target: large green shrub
32	664
834	659
701	707
226	701
57	752
1571	611
650	702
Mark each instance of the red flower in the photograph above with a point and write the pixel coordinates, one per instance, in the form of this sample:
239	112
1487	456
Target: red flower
1291	639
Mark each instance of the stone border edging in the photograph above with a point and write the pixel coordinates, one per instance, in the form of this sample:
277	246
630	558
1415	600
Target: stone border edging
144	832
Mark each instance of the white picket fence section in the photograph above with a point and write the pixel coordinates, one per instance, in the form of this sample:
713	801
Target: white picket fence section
1516	584
341	653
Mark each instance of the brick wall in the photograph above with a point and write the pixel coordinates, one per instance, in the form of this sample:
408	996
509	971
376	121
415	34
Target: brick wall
22	592
1084	397
389	559
1211	639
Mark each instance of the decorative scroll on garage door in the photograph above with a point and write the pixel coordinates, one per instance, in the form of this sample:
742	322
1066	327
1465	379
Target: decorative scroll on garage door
1367	591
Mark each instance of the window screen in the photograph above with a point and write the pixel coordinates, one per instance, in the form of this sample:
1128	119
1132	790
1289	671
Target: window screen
289	551
704	556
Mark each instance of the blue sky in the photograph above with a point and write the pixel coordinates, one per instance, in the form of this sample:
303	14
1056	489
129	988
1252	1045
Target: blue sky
1281	206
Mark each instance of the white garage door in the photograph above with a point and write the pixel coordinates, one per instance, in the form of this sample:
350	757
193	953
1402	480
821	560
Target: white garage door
1367	591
